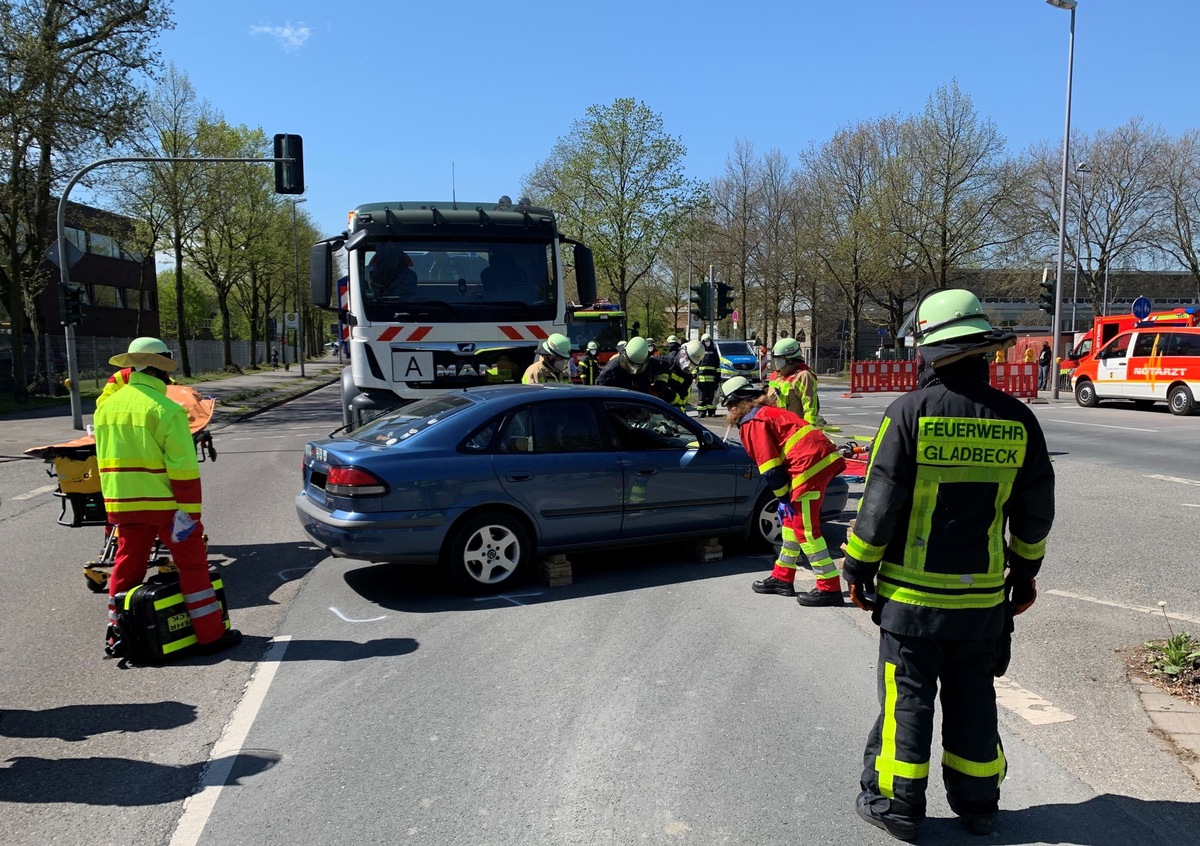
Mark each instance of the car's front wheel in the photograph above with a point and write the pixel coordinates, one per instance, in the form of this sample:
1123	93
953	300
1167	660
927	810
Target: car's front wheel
488	552
1085	394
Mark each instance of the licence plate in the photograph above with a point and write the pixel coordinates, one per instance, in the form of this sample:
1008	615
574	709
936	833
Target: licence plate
412	366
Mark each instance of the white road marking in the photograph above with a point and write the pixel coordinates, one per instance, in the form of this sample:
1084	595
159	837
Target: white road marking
1028	705
1190	504
364	620
511	597
35	492
1178	479
261	438
1142	609
1099	425
198	807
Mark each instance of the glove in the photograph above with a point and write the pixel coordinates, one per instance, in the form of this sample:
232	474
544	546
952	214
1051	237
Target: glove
1023	594
786	512
861	579
182	527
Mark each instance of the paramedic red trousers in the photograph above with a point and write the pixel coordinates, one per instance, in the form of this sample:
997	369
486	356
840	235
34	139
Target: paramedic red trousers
134	542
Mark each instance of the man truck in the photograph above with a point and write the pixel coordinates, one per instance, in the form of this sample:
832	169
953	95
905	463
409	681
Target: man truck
444	295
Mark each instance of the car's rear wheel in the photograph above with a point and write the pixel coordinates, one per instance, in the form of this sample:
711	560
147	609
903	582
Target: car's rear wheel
488	552
1085	394
1180	400
764	531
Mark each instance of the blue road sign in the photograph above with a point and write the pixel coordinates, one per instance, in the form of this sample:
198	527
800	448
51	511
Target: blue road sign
1141	308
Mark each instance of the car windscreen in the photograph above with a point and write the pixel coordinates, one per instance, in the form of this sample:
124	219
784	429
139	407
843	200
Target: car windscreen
735	348
400	424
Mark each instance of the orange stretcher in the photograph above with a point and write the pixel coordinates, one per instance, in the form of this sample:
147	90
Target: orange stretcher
78	477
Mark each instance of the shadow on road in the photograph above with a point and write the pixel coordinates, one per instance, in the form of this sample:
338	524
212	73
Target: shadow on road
1106	820
252	572
420	589
79	722
115	781
253	648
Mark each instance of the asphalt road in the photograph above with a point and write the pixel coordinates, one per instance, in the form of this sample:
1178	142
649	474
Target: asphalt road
654	700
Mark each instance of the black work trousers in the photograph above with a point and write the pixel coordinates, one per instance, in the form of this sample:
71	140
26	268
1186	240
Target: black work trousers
896	761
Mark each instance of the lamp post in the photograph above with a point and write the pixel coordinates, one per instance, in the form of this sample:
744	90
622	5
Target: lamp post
1062	194
1081	170
296	250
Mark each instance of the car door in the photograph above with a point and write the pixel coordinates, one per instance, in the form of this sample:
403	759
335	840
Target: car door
1112	367
671	484
550	457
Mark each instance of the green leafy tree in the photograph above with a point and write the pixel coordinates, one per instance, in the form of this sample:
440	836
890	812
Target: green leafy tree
69	74
617	182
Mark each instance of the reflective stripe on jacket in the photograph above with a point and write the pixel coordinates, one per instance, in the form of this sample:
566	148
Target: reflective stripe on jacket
955	464
115	382
145	453
793	456
797	392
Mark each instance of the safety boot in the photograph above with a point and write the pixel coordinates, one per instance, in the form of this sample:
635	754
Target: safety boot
982	824
877	811
773	585
817	598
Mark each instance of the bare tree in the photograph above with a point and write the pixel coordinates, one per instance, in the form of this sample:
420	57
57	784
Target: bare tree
737	207
1179	227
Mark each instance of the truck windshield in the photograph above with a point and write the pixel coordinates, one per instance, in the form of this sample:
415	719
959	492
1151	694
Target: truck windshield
605	333
458	281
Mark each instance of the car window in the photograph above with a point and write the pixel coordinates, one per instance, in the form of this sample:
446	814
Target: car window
735	348
1183	343
481	440
639	426
1147	344
403	423
1117	348
552	427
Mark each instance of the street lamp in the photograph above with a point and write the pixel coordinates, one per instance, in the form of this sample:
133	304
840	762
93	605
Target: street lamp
1062	194
1081	170
296	249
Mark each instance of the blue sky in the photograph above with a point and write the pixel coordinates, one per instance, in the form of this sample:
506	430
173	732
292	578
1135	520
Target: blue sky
389	97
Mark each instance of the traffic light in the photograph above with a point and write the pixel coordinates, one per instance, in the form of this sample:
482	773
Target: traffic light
701	300
725	304
1046	300
72	305
289	176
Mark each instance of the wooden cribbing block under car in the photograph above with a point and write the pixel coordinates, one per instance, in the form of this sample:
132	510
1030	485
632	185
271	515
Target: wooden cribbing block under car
555	571
709	550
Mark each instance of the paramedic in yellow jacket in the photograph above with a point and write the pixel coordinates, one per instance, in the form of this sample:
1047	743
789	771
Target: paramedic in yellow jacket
553	362
793	385
150	480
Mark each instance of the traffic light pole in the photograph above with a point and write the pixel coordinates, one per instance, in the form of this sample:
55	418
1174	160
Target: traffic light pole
64	269
712	305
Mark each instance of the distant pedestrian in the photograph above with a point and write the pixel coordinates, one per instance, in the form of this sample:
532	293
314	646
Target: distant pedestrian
1045	359
274	358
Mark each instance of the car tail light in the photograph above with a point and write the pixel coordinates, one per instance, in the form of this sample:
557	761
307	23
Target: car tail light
353	481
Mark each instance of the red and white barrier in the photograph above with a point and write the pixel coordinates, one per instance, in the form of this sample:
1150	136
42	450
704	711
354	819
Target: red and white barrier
1019	379
870	377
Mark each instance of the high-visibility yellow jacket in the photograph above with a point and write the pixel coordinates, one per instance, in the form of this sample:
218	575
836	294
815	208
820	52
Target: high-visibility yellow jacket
115	382
146	455
797	392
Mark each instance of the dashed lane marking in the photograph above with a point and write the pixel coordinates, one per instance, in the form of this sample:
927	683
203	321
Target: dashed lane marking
1027	704
36	492
198	807
1177	479
1141	609
1098	425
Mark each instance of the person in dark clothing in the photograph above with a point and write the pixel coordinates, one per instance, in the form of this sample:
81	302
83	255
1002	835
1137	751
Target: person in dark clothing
633	367
589	364
706	377
956	463
1045	359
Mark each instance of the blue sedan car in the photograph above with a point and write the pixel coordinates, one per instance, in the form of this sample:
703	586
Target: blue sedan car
483	479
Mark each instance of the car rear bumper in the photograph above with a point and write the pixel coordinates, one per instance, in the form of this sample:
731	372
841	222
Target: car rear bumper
412	537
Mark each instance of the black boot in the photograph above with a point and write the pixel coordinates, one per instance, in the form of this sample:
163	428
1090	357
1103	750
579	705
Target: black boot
817	598
877	811
232	637
773	585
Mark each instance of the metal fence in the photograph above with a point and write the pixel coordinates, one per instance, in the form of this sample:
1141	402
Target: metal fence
92	355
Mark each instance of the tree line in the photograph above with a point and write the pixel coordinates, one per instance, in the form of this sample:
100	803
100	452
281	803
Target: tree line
81	81
859	227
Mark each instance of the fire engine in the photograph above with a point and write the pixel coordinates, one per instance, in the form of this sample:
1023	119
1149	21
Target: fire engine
603	322
444	295
1107	327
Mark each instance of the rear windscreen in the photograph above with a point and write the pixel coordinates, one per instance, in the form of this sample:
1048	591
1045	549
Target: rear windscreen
403	423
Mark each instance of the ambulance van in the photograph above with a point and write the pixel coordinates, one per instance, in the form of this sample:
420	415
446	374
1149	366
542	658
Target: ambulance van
1146	365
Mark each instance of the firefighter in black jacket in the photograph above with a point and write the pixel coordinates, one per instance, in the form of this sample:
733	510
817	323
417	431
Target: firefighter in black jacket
589	364
955	463
706	377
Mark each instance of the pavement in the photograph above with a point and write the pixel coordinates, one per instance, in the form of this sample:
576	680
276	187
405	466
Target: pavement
238	398
242	397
